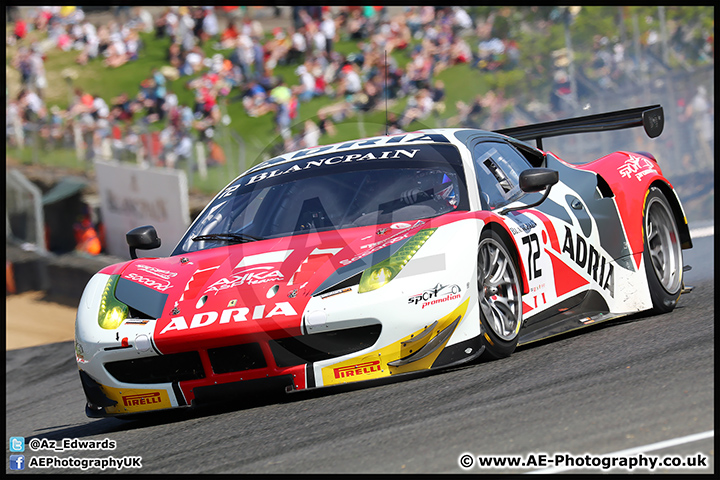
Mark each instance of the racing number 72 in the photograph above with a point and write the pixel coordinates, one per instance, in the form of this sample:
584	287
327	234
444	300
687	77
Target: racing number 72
533	255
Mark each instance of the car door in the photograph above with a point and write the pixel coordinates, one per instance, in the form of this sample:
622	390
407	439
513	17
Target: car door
497	169
551	239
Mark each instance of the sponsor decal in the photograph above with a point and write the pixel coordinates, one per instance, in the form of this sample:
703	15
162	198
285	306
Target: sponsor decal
239	314
371	245
333	160
136	321
232	303
372	248
336	292
382	231
135	400
438	294
522	227
142	399
588	258
166	274
376	141
159	285
357	370
250	276
637	166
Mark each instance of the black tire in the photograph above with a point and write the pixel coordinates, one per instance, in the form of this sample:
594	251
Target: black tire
499	296
662	252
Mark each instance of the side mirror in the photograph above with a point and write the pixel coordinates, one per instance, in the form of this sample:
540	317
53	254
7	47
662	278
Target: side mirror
535	180
144	238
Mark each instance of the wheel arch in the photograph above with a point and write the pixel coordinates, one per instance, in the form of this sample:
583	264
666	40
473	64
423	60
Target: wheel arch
677	210
506	237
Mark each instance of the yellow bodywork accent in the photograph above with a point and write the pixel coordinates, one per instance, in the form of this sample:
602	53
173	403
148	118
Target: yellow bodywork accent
131	400
375	364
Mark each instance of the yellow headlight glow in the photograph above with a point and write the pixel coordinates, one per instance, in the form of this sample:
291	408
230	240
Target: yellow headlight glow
112	312
381	273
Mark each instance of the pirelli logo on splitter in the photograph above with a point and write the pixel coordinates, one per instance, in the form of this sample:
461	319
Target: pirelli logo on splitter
142	399
356	370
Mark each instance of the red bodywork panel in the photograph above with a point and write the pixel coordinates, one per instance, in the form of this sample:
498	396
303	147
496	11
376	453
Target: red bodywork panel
630	176
253	292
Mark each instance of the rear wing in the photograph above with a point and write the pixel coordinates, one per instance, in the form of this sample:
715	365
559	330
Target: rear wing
650	117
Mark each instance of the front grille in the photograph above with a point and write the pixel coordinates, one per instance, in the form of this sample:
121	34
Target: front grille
236	358
174	367
292	351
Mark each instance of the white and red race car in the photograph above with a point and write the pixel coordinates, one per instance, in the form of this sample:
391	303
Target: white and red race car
383	256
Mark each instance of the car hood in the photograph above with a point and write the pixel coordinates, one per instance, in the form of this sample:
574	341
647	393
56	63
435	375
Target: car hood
214	296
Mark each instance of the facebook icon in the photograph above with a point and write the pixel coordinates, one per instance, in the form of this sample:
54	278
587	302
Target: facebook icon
17	462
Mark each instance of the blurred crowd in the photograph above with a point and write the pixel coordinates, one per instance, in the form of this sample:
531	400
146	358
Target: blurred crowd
244	70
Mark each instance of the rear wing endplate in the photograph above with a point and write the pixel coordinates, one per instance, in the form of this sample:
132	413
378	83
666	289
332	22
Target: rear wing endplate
650	117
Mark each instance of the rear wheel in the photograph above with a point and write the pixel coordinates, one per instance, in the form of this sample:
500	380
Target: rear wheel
500	297
663	252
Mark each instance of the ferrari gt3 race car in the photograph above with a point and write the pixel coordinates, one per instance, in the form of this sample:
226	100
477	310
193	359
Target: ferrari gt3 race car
383	256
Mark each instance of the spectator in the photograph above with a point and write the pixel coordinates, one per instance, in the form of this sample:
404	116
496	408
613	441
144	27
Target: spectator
24	64
117	52
350	82
122	108
437	93
280	96
210	27
167	24
306	90
370	96
242	56
91	49
357	25
31	105
328	29
298	47
419	108
277	48
193	62
174	55
229	36
253	98
20	29
325	125
141	19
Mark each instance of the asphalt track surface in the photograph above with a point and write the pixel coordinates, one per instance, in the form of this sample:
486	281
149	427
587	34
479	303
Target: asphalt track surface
620	385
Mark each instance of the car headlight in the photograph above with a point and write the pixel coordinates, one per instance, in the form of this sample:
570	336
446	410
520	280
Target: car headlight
381	273
112	311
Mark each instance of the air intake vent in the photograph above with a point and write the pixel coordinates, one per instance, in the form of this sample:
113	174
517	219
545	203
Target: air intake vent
292	351
237	358
174	367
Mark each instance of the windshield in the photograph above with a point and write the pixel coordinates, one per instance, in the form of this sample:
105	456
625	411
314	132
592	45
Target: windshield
340	190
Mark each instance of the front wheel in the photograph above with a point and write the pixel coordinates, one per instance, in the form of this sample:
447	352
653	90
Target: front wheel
663	252
500	297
